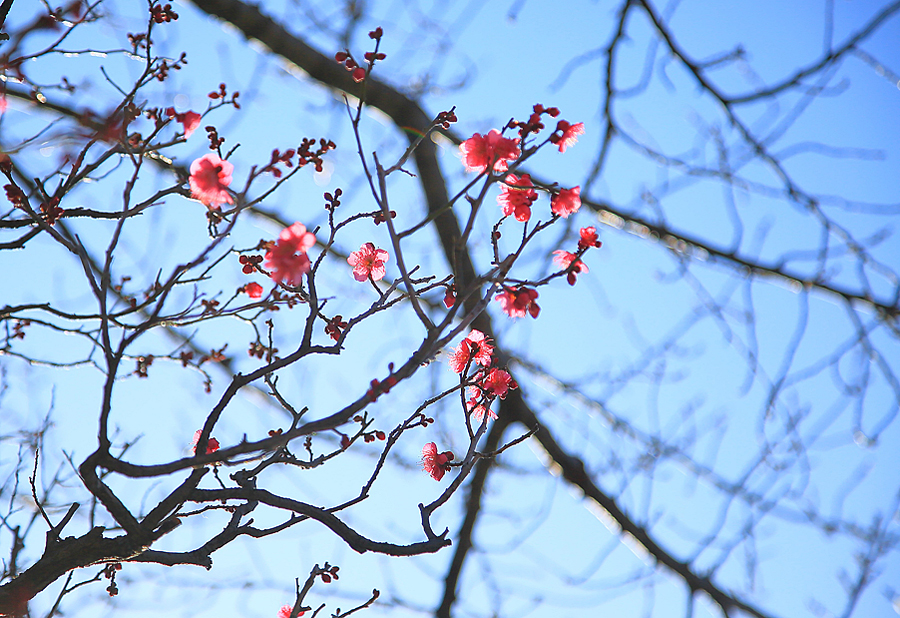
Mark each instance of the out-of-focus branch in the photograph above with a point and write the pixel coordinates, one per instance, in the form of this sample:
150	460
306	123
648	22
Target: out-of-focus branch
573	471
823	63
473	509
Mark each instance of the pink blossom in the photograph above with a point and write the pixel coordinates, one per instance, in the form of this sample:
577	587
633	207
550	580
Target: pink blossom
570	262
519	302
212	445
434	463
189	121
478	410
253	290
588	238
481	151
476	347
368	262
566	202
497	383
210	177
570	134
287	260
285	611
517	196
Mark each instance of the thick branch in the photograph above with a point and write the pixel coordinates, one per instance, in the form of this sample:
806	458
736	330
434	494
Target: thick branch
355	540
62	556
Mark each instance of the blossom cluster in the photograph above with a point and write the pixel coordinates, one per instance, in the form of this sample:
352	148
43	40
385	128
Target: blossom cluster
487	383
286	260
495	152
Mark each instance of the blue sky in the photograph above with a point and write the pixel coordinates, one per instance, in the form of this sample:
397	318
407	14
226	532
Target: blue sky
635	340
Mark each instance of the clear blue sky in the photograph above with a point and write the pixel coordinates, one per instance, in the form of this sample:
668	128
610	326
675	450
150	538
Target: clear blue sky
636	334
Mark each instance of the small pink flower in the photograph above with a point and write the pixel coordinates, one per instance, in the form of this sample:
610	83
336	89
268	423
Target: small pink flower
588	238
570	262
212	445
210	177
570	133
287	260
253	290
476	347
285	611
519	302
481	151
368	262
434	463
189	121
566	202
517	196
478	410
497	383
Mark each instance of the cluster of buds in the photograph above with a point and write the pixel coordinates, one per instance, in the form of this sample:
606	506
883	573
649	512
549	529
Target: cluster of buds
212	134
162	70
15	195
333	200
222	95
210	307
287	298
250	263
162	14
138	41
335	326
445	119
374	435
259	350
358	73
377	387
328	573
143	365
534	123
109	572
309	153
381	218
279	157
19	329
